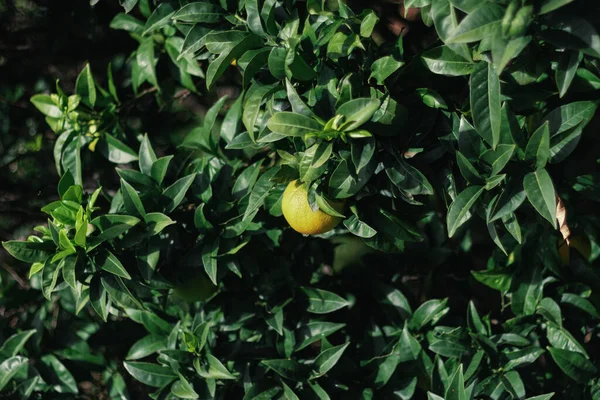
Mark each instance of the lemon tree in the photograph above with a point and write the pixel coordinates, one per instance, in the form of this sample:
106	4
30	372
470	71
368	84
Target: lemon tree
268	199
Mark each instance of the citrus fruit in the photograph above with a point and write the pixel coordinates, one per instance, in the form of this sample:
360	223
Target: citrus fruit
195	288
348	251
301	217
580	243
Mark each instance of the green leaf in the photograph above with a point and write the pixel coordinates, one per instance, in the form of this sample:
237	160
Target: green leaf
246	180
550	310
540	193
549	395
276	62
408	179
216	369
505	50
86	87
15	343
362	151
474	320
314	161
251	63
458	212
314	331
288	393
68	271
368	23
478	24
568	116
326	207
199	12
120	293
46	105
513	384
358	227
182	389
521	358
358	111
538	146
10	367
209	259
456	387
289	369
133	203
176	192
323	302
548	6
200	221
108	262
527	290
443	61
579	303
61	378
157	222
467	170
150	374
113	225
220	64
343	184
383	68
147	157
327	359
159	18
496	280
127	23
446	21
429	311
253	18
389	295
159	168
566	69
29	252
573	364
497	159
560	338
146	346
194	40
115	150
146	62
259	193
292	124
485	102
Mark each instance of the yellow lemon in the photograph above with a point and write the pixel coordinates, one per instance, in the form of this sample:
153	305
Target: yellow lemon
301	217
580	243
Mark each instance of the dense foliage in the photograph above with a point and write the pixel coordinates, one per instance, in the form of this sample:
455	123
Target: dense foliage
462	142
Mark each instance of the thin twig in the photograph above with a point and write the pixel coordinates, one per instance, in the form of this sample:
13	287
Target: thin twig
16	276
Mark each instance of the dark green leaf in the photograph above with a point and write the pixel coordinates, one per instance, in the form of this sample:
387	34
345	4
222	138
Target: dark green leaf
459	213
540	193
485	102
